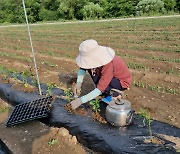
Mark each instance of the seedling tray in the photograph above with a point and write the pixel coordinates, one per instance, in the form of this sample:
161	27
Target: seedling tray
30	111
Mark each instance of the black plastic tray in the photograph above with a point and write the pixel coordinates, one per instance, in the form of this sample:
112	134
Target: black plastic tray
30	111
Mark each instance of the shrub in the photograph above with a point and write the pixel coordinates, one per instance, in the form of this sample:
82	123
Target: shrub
47	15
169	5
150	7
92	11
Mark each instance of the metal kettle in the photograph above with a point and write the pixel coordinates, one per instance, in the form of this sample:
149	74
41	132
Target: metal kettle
119	113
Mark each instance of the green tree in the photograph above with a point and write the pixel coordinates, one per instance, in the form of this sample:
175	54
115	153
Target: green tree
49	10
33	8
71	9
52	5
48	15
119	8
169	5
92	11
101	3
178	5
150	7
11	11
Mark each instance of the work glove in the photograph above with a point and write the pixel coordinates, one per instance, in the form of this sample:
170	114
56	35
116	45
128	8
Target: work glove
77	89
76	103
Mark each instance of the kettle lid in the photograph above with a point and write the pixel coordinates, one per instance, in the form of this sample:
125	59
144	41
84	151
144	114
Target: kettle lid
120	104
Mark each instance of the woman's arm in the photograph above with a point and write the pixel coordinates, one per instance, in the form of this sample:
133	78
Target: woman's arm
93	94
80	75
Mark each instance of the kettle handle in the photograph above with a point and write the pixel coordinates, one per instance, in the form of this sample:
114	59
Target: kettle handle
129	117
116	90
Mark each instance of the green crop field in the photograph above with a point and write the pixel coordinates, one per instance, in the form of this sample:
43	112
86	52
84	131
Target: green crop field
142	43
150	47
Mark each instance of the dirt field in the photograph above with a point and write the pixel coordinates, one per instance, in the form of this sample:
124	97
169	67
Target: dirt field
149	47
36	138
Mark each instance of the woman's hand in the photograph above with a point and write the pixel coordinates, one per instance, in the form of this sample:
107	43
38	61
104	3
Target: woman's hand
76	103
77	89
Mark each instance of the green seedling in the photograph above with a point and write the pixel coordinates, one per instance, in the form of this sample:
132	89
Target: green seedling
34	82
137	66
95	105
50	86
53	142
147	120
25	74
14	74
4	109
157	88
48	63
69	94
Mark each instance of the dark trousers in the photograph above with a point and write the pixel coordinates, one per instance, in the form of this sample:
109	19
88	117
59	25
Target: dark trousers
114	84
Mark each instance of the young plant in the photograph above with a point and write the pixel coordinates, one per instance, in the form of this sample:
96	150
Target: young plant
48	63
2	110
34	82
69	94
95	105
147	120
50	86
53	142
25	74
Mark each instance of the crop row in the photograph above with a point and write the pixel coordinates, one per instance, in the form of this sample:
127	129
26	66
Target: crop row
157	88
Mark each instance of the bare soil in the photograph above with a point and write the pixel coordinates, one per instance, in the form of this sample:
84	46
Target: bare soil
59	46
154	140
160	105
81	111
98	117
78	111
36	138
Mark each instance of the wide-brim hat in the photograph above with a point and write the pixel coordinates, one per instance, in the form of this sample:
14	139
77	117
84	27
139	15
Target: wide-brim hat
92	55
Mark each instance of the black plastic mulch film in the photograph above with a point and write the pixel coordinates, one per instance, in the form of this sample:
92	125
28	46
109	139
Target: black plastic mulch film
102	138
4	149
30	111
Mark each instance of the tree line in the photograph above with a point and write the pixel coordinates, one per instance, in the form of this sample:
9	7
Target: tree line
11	11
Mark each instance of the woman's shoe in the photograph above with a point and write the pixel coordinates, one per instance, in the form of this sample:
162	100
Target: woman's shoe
107	99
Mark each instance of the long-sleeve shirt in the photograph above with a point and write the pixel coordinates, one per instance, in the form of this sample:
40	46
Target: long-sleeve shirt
114	69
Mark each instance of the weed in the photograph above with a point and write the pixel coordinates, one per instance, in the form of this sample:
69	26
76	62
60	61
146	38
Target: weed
147	120
95	105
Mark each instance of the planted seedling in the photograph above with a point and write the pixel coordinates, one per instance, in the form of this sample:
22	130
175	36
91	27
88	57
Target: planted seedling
96	108
4	109
34	82
69	94
53	142
50	86
147	120
95	105
25	74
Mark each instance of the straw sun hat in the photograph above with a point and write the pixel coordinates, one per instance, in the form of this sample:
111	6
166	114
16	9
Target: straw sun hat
92	55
